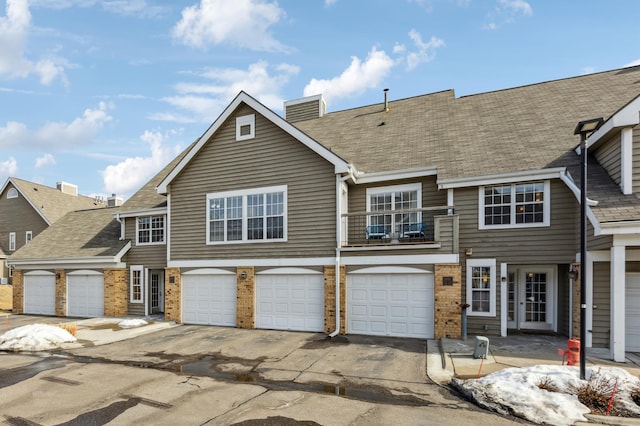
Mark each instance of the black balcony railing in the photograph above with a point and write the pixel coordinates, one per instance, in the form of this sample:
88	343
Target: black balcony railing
413	226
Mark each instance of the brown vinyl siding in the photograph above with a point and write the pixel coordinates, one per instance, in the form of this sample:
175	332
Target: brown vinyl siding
303	111
553	245
17	215
272	158
609	155
601	304
153	256
636	160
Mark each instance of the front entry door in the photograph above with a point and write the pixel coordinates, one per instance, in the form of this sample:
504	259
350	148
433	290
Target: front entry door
156	290
531	292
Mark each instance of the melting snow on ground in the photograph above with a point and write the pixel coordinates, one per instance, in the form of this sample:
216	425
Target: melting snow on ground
132	323
515	391
34	337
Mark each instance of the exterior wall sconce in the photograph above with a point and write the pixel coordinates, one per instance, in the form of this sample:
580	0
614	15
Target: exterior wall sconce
573	274
468	251
503	279
243	275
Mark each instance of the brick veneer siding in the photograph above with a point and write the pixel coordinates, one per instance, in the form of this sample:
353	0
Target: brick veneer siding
61	293
172	295
575	327
330	299
245	305
18	292
6	297
116	284
448	315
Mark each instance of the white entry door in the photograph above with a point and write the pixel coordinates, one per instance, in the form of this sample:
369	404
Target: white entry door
290	301
391	304
40	293
632	312
209	299
85	295
536	298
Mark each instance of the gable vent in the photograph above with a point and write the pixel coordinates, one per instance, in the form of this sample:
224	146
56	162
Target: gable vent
305	108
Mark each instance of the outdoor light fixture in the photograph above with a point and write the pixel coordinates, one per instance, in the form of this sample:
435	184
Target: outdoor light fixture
243	275
583	129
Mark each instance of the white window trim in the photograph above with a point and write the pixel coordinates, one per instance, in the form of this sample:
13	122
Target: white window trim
150	243
28	236
245	120
244	193
490	263
138	268
546	208
12	193
394	188
12	241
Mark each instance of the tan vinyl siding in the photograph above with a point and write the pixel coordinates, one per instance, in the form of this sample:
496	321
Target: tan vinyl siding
303	111
601	242
17	215
272	158
601	304
151	256
636	159
609	156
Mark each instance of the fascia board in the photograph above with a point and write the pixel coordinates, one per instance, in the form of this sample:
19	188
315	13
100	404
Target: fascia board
340	165
395	175
628	115
144	212
511	177
620	228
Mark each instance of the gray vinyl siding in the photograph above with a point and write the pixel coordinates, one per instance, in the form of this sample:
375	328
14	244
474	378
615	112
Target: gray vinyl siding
602	302
633	267
303	111
151	256
272	158
553	245
636	160
17	215
609	156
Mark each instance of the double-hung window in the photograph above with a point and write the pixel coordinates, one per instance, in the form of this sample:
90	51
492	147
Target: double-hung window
394	208
481	287
514	205
150	230
250	215
136	285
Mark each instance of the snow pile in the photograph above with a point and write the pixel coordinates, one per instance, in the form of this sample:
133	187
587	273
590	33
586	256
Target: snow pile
34	337
515	391
132	323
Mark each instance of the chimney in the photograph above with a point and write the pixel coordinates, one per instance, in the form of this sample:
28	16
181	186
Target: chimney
386	100
305	108
114	201
67	188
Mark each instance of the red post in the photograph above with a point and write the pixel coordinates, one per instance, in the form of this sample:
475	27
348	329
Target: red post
573	351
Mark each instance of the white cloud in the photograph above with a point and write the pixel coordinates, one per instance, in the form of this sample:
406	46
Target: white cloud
130	174
425	51
14	29
243	23
205	99
46	159
506	12
8	168
56	134
137	8
358	77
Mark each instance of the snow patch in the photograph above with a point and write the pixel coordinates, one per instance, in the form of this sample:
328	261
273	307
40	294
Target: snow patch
35	337
132	323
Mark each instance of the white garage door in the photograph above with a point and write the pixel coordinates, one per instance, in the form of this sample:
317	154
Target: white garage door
632	313
390	304
293	301
209	299
40	294
85	295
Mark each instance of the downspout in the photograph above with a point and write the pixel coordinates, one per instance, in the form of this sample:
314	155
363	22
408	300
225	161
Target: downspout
121	226
339	181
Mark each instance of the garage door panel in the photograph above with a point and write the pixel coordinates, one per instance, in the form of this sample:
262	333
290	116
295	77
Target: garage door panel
290	302
391	304
209	299
85	296
39	294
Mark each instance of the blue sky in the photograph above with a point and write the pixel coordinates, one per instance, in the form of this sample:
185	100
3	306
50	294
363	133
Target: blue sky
103	93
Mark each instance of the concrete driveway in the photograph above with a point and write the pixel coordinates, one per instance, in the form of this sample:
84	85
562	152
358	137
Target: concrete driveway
214	375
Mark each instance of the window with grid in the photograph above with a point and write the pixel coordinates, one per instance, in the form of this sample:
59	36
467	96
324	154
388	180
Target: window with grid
481	287
151	230
514	205
247	216
12	241
136	285
386	207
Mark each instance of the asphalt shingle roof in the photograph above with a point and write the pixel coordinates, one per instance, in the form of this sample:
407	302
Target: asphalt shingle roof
53	203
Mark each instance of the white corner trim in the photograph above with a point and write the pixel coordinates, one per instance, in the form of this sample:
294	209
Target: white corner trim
626	161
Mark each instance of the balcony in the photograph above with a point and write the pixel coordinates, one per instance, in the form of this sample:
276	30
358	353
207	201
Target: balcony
431	227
